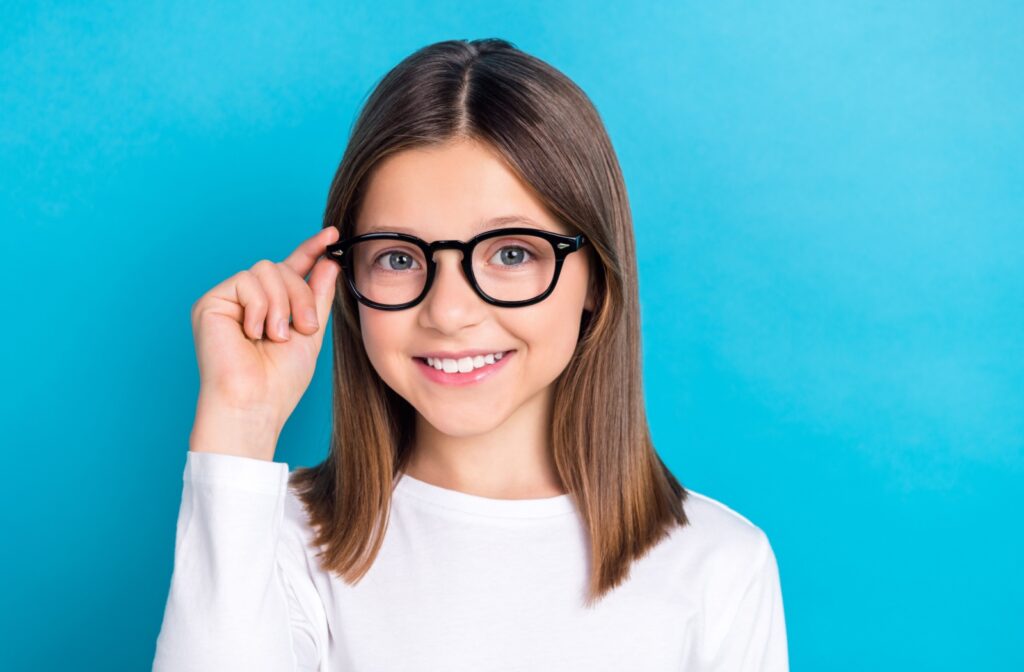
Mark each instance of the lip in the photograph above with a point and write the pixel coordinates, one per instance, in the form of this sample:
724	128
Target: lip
460	354
459	379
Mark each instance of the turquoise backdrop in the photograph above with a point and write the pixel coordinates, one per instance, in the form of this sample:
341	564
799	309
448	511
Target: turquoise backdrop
829	212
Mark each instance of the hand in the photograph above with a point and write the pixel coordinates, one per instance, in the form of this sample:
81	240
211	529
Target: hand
253	365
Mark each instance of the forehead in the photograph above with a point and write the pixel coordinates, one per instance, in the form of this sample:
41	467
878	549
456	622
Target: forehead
453	190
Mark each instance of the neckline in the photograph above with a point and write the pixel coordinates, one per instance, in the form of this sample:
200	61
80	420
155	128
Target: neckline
544	507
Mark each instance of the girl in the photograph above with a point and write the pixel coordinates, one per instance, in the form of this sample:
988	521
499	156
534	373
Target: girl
491	499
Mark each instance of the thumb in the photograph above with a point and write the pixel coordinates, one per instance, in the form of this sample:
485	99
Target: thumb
322	280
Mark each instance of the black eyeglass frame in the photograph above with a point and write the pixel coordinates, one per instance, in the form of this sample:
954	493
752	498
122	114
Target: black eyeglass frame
561	244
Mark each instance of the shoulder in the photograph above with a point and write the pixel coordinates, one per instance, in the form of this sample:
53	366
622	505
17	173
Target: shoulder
297	533
720	524
296	517
725	561
718	542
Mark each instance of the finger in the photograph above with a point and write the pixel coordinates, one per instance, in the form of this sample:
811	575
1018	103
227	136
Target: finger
300	296
306	254
279	309
250	295
323	280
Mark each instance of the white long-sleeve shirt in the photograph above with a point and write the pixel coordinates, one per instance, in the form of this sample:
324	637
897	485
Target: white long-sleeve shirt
461	583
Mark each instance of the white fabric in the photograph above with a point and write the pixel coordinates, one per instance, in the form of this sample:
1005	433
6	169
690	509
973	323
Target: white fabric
462	583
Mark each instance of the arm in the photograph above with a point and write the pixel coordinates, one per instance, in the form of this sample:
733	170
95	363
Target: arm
241	596
753	637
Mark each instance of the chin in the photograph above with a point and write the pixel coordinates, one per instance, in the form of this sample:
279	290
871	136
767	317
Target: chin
470	422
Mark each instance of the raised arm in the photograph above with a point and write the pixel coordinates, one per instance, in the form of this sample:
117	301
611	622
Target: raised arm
241	596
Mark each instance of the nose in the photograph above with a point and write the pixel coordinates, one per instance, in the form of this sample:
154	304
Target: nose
451	303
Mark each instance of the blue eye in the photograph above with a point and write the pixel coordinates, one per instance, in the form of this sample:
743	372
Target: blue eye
404	259
515	258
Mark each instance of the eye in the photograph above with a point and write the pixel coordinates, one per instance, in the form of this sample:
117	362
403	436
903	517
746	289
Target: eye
512	255
396	260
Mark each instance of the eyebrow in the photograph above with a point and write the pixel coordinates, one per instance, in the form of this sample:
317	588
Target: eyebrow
485	225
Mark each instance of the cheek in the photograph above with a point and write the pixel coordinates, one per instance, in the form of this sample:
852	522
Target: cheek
380	332
565	313
551	333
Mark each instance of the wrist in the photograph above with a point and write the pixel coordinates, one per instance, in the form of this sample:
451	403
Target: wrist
229	431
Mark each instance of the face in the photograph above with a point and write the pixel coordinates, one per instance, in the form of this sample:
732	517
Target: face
449	192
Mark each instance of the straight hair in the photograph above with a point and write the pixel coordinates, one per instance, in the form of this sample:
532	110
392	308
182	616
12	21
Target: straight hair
551	136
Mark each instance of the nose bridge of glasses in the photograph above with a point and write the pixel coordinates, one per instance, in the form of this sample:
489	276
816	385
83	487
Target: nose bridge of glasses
439	245
457	246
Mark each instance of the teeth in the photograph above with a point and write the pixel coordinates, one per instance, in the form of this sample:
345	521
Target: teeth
464	365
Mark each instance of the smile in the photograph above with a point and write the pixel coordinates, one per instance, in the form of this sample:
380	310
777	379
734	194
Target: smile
465	371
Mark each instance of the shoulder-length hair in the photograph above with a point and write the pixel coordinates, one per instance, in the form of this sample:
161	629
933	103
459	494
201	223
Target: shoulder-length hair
552	137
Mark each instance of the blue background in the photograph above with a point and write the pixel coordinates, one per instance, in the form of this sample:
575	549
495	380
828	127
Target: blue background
828	205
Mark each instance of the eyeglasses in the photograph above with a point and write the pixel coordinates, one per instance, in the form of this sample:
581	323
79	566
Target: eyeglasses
509	267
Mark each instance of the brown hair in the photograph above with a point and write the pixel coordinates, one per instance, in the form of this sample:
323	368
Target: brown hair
551	136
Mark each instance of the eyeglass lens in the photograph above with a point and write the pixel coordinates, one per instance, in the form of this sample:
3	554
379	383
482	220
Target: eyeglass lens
508	268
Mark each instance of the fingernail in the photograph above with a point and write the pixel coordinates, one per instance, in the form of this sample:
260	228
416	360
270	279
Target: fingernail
310	316
282	328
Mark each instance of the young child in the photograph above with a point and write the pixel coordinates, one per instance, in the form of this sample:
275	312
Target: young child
491	499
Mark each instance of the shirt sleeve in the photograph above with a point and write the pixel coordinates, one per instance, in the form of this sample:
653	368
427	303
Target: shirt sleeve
241	596
755	638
